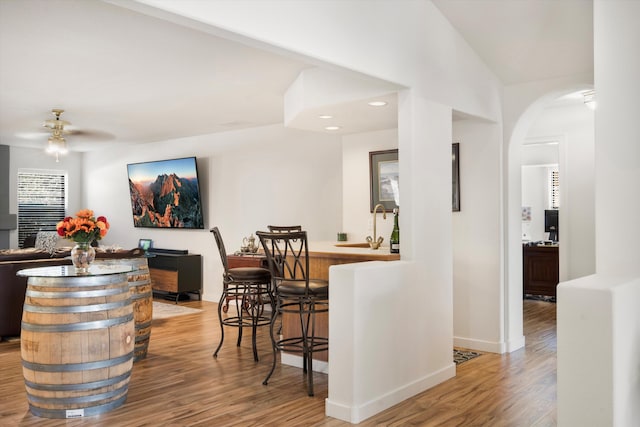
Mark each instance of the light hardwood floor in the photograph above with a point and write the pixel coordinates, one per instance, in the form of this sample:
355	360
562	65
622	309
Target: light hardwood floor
180	384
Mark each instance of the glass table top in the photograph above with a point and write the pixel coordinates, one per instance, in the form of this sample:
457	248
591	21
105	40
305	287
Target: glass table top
70	271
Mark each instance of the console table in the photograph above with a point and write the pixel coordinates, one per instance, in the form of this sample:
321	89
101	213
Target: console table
176	274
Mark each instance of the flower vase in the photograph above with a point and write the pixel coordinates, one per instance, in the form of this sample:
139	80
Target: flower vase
82	255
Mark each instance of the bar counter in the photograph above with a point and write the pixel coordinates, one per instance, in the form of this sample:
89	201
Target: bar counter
323	255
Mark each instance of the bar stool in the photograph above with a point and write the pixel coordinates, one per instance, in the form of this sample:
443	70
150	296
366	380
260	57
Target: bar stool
284	228
295	293
250	288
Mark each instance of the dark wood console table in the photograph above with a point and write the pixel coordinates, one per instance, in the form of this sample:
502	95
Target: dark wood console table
540	270
247	260
176	274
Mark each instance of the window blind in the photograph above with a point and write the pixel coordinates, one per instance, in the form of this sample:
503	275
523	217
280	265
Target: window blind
554	189
41	201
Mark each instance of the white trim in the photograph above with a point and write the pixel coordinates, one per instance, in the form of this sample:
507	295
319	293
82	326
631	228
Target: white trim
356	414
489	346
295	360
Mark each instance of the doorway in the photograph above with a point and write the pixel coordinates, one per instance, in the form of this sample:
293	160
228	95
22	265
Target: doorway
563	121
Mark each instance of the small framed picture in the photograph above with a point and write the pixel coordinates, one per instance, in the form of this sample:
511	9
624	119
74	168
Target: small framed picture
145	244
384	179
455	159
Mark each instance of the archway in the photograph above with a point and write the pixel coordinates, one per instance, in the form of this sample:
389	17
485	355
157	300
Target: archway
514	139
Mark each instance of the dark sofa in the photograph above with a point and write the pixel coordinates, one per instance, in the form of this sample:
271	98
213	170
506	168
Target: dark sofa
13	287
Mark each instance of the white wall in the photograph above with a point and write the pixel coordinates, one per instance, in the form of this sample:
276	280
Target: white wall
249	179
575	126
356	217
477	275
617	130
599	314
535	195
32	158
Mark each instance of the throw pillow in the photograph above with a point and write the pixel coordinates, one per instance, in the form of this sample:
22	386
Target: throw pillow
47	240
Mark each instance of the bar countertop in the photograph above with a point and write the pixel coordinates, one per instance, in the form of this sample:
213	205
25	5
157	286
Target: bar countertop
356	251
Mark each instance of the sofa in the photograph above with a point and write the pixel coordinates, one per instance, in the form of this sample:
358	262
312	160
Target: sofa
13	287
49	250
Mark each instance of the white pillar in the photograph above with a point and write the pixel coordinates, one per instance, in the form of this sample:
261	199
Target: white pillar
598	316
617	133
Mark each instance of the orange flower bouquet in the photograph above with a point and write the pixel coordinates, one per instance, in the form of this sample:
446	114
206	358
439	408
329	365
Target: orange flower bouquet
84	228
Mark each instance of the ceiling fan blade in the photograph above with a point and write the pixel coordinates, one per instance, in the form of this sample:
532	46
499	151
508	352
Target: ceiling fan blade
64	128
33	135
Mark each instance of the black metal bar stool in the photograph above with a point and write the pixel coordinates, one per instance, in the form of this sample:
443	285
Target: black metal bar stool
251	289
296	294
284	228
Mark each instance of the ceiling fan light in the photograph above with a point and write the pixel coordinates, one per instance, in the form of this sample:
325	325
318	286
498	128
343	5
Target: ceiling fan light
57	145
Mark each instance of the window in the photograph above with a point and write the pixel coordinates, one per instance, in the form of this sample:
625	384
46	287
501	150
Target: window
41	201
554	189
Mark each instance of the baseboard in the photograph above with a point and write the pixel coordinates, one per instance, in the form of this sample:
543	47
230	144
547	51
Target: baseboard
295	360
357	414
489	346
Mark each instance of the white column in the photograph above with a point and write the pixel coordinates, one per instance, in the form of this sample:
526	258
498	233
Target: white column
598	316
391	323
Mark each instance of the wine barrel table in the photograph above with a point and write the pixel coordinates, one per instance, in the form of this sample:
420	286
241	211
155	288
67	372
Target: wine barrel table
141	294
77	340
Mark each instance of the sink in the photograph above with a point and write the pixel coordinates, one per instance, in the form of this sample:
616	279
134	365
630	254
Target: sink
352	245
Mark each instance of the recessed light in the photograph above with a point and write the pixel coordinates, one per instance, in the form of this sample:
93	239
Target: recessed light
332	128
325	116
377	103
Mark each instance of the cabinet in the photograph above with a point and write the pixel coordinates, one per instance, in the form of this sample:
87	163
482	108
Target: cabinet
540	270
176	274
248	260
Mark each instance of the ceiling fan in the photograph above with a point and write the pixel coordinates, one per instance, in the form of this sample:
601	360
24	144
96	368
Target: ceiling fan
57	129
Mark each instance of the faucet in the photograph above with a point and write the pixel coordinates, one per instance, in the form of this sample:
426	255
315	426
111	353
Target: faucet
373	242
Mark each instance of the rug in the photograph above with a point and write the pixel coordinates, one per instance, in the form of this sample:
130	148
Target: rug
461	356
540	298
163	310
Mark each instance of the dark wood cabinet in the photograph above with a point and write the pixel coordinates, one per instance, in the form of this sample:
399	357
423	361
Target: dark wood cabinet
540	270
176	274
248	260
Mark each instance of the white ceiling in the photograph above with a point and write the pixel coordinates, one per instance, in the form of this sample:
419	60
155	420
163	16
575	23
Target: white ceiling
526	40
124	77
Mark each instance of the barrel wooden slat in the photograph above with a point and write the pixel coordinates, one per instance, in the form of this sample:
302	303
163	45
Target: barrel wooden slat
77	343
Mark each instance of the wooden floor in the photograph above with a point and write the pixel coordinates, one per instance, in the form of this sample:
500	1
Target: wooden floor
180	384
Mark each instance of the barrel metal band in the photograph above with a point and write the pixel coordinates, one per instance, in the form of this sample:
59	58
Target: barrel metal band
88	412
77	294
76	308
66	401
139	282
142	338
144	325
78	281
81	326
80	386
145	295
74	367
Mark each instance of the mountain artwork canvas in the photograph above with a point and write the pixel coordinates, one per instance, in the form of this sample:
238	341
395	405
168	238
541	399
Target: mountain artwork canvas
165	194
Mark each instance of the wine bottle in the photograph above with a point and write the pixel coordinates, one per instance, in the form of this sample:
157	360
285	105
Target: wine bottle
394	241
